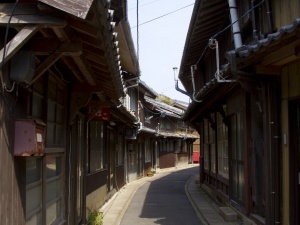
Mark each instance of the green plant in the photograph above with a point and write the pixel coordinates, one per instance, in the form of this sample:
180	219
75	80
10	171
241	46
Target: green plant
94	217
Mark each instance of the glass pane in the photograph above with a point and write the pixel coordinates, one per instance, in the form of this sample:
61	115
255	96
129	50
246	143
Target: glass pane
59	114
206	156
59	134
51	111
33	198
35	219
37	106
50	134
52	89
61	96
213	159
95	160
33	170
53	190
241	183
53	212
53	166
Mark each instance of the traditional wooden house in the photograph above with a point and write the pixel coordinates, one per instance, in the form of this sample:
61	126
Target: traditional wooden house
63	110
241	68
170	140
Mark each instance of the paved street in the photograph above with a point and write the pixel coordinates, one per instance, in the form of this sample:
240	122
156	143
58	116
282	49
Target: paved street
163	201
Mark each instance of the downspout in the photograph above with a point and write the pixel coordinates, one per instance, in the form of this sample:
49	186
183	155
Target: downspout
269	17
235	24
254	22
180	90
176	84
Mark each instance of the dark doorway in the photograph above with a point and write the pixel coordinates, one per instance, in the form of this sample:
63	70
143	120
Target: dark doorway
294	158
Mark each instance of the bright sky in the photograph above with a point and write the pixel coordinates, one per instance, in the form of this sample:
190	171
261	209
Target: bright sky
161	41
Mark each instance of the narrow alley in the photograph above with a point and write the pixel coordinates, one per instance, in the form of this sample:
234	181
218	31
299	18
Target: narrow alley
170	197
163	201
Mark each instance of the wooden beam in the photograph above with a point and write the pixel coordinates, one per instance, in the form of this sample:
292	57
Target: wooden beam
18	41
44	45
268	70
86	88
45	65
81	62
70	48
285	54
73	48
78	8
43	20
85	68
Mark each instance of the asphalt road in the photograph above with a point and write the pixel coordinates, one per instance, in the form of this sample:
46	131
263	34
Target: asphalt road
163	201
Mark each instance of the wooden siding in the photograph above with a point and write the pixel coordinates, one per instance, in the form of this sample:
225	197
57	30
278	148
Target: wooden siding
290	86
95	180
291	81
120	176
11	208
166	160
181	159
285	11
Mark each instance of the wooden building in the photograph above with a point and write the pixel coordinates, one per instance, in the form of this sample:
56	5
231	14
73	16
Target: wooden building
62	108
241	68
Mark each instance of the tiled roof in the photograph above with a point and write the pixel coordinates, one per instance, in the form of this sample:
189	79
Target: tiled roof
237	57
247	50
162	107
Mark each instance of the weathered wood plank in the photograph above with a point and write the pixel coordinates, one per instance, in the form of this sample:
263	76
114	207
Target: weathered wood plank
45	65
18	41
281	54
43	20
79	8
84	66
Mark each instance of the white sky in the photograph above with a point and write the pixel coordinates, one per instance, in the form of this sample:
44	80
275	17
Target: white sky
161	41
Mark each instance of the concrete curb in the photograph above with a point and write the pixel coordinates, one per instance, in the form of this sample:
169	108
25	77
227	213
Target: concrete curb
196	208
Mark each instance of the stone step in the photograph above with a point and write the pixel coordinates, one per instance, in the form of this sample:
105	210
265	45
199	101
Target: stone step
228	214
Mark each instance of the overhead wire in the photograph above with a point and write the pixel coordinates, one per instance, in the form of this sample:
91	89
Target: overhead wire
227	27
143	5
217	34
164	15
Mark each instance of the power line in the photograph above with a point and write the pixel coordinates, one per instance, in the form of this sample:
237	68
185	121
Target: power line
165	15
143	5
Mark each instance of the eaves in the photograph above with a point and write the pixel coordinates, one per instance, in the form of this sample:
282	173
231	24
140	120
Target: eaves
254	53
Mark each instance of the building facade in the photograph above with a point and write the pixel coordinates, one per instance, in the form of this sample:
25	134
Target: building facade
243	79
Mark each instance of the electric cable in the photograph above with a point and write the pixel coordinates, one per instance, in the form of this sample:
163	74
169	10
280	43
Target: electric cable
143	5
217	34
163	15
3	57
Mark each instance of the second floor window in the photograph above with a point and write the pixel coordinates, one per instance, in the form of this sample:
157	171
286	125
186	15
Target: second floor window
165	124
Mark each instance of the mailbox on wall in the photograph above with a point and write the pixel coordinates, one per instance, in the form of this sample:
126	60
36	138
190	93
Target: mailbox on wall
29	138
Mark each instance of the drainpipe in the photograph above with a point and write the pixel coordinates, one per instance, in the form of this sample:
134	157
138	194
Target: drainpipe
180	90
253	22
176	84
235	24
269	17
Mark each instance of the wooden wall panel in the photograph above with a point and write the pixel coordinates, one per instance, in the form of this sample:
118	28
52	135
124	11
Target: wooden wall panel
290	81
11	208
284	12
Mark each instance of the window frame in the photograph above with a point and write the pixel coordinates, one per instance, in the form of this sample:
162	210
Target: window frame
100	161
45	205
